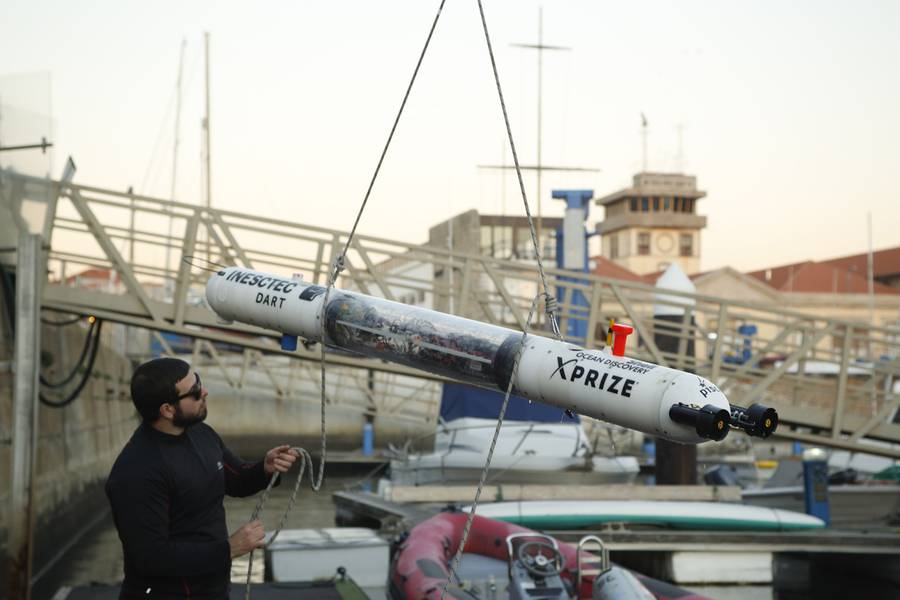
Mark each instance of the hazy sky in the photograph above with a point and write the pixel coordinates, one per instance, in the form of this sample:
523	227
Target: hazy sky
789	109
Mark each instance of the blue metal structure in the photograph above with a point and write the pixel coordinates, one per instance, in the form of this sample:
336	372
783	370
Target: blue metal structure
815	488
572	254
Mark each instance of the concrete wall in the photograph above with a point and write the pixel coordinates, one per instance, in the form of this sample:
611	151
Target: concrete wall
252	417
77	444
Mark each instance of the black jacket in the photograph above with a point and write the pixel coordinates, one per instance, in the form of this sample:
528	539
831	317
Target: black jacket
166	494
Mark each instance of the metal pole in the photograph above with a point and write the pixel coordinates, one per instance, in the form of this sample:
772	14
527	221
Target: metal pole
643	144
131	225
178	119
540	78
174	158
206	124
206	128
540	47
25	413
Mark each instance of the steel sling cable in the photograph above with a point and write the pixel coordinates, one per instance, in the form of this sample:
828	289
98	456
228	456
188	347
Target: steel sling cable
549	304
336	269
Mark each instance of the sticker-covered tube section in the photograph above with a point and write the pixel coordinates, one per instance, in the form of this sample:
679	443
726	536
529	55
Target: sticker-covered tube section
458	348
439	343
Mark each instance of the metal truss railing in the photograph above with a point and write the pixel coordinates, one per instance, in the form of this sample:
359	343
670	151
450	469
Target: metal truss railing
832	380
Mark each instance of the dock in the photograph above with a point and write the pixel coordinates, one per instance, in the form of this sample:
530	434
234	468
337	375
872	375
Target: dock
679	556
368	506
365	508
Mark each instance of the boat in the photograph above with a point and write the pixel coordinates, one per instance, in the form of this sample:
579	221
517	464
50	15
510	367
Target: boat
695	516
504	560
303	555
537	444
853	504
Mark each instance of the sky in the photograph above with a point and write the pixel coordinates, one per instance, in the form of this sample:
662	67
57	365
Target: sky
787	111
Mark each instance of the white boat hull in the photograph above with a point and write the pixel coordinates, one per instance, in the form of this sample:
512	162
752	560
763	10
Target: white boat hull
850	506
466	467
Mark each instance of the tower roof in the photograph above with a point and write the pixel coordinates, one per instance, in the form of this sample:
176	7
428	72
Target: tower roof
656	184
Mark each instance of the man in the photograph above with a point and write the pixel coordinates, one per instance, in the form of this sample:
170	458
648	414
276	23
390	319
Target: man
167	485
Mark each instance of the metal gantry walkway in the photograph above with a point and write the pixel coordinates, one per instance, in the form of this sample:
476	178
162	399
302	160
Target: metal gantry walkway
142	242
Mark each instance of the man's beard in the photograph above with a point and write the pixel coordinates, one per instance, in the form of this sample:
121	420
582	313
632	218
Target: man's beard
180	420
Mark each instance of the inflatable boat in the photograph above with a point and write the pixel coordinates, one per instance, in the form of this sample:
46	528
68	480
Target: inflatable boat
504	560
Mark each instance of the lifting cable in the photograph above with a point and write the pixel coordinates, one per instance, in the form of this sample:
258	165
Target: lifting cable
550	307
336	268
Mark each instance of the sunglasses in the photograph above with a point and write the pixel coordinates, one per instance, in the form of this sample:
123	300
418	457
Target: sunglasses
195	390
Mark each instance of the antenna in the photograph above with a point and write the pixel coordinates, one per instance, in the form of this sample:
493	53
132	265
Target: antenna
540	47
679	158
643	143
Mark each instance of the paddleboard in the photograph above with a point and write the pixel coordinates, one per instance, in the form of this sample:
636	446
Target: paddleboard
577	514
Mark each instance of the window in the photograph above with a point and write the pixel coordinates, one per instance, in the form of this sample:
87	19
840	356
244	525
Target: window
487	240
634	204
686	243
676	204
645	204
688	205
655	203
666	203
614	246
644	243
502	241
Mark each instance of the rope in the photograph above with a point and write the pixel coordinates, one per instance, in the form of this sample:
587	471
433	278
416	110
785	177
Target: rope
396	120
550	304
336	269
204	264
487	465
305	461
550	308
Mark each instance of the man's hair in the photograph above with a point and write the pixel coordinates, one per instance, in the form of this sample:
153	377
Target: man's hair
153	384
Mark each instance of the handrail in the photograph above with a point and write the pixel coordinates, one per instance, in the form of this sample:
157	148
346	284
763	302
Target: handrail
859	402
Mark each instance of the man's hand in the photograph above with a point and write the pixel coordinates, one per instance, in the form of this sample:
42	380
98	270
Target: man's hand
247	538
279	459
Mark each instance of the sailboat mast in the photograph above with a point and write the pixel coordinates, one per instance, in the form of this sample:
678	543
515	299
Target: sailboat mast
206	125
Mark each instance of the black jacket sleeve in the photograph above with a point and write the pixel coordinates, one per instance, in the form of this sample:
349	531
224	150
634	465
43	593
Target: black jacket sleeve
141	511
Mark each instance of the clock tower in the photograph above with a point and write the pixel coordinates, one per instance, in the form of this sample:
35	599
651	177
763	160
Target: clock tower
653	223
